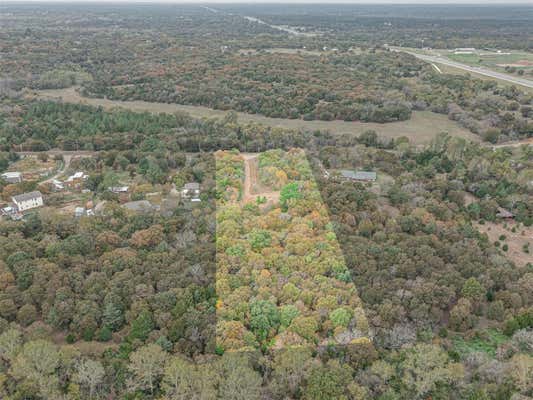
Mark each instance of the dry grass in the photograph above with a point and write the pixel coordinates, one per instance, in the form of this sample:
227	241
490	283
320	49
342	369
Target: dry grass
457	71
514	240
33	165
420	129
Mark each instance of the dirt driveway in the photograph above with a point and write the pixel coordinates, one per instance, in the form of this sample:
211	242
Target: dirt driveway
252	185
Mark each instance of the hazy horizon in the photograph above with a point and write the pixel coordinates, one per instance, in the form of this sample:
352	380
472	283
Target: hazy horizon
382	2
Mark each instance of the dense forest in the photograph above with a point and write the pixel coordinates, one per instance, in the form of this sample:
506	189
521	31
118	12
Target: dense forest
127	305
285	279
224	61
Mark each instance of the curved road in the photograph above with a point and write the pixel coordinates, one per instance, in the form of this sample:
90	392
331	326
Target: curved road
477	70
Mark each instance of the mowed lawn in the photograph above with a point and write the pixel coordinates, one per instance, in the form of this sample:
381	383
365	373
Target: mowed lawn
420	129
496	61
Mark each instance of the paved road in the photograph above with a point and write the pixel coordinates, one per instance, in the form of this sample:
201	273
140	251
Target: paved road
482	71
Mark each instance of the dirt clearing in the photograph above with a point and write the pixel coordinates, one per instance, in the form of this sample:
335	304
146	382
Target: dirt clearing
252	187
514	240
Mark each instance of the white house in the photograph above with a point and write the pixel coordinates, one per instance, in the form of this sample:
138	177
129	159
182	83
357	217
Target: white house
77	177
191	191
118	189
12	177
57	185
27	201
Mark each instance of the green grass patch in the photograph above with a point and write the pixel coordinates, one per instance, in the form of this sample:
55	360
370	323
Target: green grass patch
486	341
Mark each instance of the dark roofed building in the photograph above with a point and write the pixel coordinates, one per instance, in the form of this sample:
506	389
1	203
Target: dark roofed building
503	213
360	176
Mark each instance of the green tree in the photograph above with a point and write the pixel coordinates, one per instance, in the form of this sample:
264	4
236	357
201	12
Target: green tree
340	317
289	192
142	326
328	382
264	317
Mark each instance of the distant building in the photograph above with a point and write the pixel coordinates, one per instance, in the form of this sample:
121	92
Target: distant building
12	177
10	212
191	191
76	179
79	212
57	185
359	176
464	50
503	213
7	211
27	201
118	189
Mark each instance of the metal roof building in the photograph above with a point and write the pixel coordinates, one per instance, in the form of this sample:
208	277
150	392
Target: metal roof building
365	176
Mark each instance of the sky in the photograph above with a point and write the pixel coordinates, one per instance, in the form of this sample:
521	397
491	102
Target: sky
525	2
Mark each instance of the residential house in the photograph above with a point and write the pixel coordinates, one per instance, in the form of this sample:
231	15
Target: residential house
76	180
503	213
359	176
118	189
191	192
27	201
12	177
57	185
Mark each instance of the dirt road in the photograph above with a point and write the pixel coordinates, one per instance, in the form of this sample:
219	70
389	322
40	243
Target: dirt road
252	186
514	144
67	158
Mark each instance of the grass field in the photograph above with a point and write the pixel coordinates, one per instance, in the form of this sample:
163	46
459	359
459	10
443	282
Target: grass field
487	342
420	129
496	61
490	61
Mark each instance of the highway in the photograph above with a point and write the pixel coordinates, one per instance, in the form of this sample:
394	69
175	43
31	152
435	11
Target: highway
477	70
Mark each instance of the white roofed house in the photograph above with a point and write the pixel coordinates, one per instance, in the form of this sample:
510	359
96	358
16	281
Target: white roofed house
12	177
76	179
27	201
118	189
191	192
57	185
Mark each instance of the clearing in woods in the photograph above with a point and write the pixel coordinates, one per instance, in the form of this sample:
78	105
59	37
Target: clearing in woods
515	241
282	260
252	187
420	129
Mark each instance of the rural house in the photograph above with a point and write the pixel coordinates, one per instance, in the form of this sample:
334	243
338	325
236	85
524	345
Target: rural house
12	177
191	191
76	179
118	189
27	201
503	213
359	176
